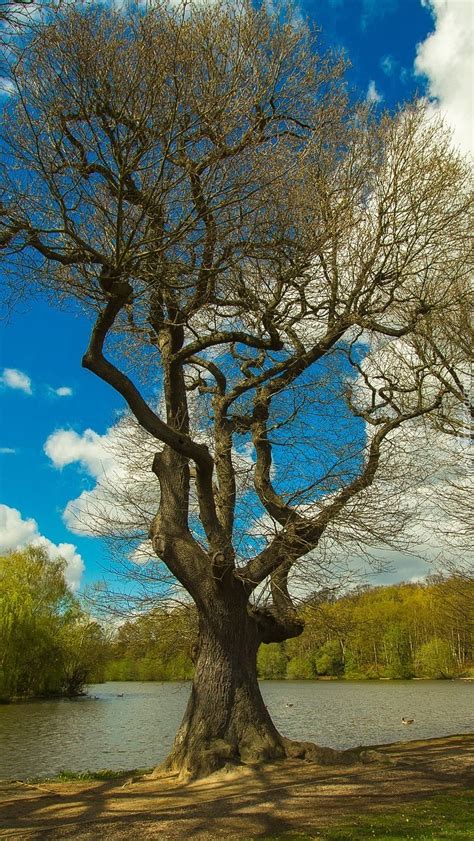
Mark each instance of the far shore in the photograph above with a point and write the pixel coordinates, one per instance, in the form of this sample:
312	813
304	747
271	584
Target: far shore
323	679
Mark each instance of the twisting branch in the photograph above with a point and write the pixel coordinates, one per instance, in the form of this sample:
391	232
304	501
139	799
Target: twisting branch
296	539
95	361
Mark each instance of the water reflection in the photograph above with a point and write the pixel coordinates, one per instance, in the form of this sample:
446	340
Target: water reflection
132	725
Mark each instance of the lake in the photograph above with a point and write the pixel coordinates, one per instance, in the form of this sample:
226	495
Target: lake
41	738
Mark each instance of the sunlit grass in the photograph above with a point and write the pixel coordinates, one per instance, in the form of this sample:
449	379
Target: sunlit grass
444	818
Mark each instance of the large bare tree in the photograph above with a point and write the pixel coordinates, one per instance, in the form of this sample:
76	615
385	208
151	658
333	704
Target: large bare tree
255	247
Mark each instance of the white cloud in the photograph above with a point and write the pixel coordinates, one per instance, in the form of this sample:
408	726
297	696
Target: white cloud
388	65
63	391
13	378
16	533
373	96
92	509
89	449
7	87
7	451
124	496
446	58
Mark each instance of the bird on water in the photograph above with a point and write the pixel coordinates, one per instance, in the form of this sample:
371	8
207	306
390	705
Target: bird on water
407	720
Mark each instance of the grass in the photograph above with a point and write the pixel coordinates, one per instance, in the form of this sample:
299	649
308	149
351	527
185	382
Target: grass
444	818
104	774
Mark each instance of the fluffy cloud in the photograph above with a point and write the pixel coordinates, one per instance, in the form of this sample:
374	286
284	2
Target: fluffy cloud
446	59
13	378
124	495
16	533
93	454
89	449
63	391
7	451
7	87
373	96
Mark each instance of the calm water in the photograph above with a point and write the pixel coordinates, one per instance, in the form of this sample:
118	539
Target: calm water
136	731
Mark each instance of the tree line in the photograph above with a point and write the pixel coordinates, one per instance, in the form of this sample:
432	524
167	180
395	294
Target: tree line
397	631
50	645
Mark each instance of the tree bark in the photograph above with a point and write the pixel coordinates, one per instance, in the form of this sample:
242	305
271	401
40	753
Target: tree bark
226	720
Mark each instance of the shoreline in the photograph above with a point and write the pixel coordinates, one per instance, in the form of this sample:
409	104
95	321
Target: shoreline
247	802
86	696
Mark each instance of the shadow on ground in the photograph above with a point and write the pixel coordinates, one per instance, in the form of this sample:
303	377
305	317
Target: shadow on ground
289	797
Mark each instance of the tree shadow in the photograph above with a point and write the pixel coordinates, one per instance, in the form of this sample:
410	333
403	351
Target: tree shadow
285	797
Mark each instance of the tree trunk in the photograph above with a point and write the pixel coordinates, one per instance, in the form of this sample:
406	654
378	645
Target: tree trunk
226	720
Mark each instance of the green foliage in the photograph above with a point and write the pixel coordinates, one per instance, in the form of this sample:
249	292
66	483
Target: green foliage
300	667
435	659
396	632
155	646
47	644
329	659
103	774
378	632
398	657
272	661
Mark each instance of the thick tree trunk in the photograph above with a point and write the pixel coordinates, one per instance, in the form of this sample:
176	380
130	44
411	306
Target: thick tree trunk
226	721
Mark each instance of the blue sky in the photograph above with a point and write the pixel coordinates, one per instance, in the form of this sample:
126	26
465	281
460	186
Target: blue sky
41	347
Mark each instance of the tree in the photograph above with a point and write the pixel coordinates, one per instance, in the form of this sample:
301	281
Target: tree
33	593
272	661
16	18
435	659
83	651
265	253
11	12
329	659
47	643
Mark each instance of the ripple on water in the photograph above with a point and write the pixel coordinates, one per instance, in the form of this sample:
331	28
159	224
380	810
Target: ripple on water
136	731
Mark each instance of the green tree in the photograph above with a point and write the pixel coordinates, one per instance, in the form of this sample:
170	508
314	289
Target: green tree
48	645
272	661
33	600
399	663
300	667
84	649
329	659
435	659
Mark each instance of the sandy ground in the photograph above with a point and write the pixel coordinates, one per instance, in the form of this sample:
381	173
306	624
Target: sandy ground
252	802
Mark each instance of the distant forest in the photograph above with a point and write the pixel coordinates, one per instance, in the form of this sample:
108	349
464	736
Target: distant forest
398	631
50	645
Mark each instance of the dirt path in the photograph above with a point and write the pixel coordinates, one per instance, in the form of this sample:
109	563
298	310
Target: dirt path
255	801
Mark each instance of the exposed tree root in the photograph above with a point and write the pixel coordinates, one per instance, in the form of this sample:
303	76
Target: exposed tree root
221	755
310	752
